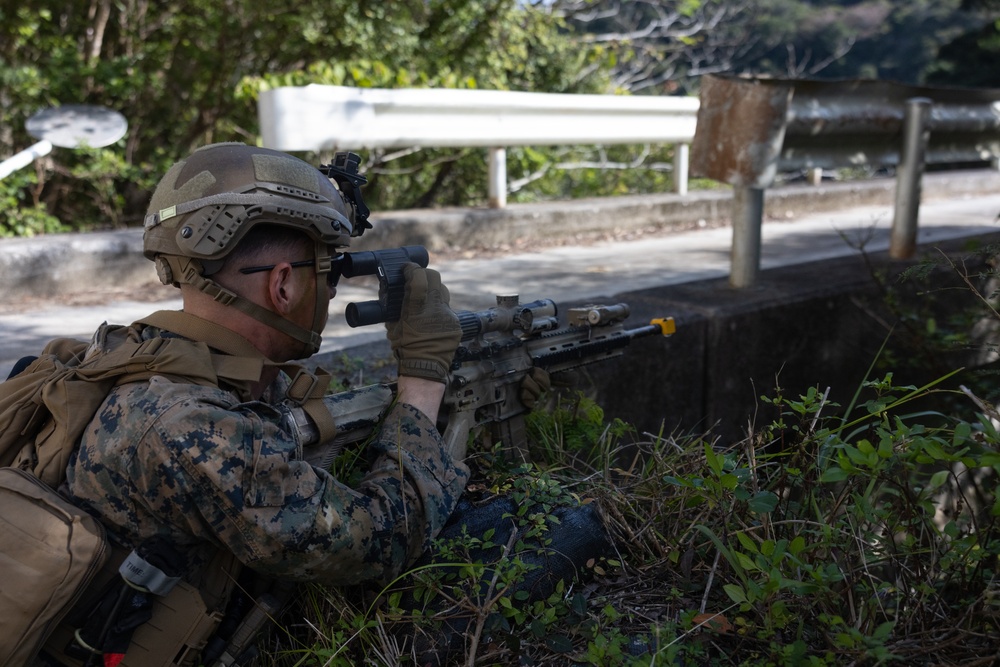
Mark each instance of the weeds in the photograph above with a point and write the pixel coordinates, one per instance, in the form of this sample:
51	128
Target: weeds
829	537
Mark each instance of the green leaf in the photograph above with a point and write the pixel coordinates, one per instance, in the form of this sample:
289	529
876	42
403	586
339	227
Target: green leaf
834	474
735	593
714	460
963	431
856	455
934	450
560	643
763	502
745	561
883	631
729	481
747	542
937	479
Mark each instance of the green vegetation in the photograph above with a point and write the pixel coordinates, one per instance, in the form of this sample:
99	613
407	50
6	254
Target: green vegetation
188	72
862	539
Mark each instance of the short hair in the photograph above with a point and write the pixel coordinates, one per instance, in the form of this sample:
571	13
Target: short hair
265	244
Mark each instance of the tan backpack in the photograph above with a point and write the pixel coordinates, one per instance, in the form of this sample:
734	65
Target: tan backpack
50	550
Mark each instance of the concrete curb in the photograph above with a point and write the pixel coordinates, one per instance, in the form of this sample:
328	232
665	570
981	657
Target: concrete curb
46	266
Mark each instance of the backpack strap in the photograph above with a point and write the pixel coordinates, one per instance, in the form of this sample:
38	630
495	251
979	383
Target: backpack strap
243	363
22	412
45	409
307	391
240	365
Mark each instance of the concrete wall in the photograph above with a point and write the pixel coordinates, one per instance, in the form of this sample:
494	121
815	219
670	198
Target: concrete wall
820	324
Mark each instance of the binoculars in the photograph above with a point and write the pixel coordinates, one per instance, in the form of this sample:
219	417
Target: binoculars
387	265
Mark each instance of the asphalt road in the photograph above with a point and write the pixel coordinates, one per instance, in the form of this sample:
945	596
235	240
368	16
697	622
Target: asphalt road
565	274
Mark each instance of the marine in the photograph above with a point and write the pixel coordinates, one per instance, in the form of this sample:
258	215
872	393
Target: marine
199	456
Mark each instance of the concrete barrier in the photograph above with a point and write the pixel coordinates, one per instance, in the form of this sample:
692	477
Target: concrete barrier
69	263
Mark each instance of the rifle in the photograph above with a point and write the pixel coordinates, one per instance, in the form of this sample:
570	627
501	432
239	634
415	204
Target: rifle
499	347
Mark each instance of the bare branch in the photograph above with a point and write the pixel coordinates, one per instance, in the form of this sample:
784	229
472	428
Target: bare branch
658	42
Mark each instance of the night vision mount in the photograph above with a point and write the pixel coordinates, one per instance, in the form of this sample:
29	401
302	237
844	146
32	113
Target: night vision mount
344	170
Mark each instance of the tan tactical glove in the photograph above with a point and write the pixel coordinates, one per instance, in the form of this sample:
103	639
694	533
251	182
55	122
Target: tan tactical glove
427	333
534	384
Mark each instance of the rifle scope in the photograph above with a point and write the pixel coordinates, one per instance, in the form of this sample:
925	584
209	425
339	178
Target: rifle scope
509	315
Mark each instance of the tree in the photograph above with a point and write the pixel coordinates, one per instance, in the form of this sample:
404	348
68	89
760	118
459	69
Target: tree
658	44
662	46
972	58
187	73
837	39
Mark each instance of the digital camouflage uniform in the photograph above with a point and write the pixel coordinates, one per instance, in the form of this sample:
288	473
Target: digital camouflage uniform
203	467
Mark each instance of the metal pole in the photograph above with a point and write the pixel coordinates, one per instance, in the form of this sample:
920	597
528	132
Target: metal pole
748	216
24	158
682	157
497	175
903	239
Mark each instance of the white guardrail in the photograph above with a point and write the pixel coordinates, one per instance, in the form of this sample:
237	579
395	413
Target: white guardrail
330	118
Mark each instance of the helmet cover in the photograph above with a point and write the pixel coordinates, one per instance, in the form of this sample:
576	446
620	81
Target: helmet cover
207	202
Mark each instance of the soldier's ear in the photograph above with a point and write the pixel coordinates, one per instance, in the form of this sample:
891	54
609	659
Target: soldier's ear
283	291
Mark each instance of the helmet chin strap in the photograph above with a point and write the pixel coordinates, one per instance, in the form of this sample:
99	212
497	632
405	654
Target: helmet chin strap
322	304
188	271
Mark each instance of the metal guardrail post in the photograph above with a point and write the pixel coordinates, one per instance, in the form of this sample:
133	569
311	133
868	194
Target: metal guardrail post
903	239
497	176
748	217
682	155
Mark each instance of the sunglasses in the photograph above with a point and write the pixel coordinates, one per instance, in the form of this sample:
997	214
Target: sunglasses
332	276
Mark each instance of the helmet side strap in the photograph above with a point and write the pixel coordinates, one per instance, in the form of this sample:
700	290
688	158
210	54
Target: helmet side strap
309	339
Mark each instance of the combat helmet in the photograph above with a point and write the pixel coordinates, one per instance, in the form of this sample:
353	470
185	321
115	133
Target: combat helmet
206	203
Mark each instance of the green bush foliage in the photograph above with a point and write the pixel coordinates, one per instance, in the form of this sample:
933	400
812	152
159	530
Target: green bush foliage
188	73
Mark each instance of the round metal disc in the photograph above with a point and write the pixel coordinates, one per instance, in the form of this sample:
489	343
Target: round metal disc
76	125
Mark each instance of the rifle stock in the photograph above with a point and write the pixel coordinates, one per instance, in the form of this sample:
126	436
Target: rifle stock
499	348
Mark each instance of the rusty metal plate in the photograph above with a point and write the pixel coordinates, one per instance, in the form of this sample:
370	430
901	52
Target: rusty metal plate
750	128
740	130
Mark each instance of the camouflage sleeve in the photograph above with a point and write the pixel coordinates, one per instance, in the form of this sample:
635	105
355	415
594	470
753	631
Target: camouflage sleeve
229	474
341	535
